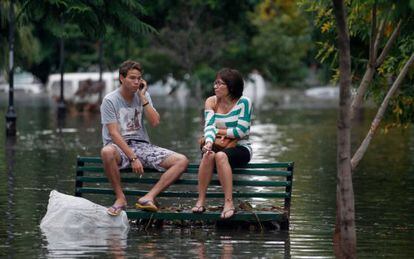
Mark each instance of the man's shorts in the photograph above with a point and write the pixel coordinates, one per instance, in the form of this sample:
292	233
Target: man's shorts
150	156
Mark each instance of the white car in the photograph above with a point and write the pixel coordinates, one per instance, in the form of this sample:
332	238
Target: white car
23	81
82	87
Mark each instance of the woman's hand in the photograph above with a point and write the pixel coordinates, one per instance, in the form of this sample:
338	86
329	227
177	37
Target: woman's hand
207	147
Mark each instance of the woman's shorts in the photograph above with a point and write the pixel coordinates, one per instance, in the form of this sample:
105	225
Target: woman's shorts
238	156
150	156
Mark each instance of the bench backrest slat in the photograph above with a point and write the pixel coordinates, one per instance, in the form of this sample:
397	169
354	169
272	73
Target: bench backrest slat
98	160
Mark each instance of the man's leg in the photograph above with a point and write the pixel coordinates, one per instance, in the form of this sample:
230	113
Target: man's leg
205	173
110	159
175	164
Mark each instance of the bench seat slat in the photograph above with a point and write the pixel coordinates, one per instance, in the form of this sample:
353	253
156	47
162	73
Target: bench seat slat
187	215
186	194
98	169
87	179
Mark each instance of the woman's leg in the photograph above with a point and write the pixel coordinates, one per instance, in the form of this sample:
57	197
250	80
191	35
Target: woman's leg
225	176
205	173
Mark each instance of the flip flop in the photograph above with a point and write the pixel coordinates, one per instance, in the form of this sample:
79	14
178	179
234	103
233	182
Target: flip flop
224	213
116	210
198	209
147	205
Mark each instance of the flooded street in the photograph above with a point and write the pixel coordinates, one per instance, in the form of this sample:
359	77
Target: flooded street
42	158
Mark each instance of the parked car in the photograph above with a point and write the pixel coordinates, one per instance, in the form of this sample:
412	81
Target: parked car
82	88
23	81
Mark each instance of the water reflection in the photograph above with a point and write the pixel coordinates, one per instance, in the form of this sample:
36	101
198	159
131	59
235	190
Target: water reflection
210	243
266	141
68	242
226	250
10	213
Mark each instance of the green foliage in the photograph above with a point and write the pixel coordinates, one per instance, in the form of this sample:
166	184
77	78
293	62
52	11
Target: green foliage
197	38
26	46
359	23
282	42
189	40
84	23
92	18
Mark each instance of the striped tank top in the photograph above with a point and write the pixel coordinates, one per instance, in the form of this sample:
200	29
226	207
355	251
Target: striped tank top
236	122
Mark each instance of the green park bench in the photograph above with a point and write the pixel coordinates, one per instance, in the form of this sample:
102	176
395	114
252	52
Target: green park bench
269	183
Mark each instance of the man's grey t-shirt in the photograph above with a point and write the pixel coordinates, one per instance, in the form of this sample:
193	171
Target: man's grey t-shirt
128	116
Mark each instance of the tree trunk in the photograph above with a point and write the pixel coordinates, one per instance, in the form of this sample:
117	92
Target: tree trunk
345	193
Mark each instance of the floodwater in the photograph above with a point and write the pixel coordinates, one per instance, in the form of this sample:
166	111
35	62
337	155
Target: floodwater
42	158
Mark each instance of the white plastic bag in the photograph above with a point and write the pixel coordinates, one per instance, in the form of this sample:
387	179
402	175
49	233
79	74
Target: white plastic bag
66	211
74	225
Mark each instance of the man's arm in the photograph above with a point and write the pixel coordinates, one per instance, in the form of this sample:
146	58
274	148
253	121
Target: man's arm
151	114
118	140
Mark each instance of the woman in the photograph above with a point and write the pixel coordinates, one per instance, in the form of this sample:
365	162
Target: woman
226	113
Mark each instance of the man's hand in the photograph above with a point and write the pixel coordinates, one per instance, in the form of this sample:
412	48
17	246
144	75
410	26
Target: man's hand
143	90
137	167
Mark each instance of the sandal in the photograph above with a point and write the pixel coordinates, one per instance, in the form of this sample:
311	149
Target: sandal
198	209
224	213
115	210
147	205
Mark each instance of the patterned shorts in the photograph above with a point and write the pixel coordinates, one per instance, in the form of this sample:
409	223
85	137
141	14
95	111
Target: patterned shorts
151	156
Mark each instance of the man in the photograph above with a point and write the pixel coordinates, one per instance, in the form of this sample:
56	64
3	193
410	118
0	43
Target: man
126	141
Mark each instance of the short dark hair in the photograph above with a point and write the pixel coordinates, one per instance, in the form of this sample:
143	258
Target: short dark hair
233	80
127	66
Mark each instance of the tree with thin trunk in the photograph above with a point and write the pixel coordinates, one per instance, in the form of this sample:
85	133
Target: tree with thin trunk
345	228
381	68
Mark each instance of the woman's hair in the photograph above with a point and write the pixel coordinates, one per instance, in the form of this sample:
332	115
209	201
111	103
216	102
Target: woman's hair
233	80
127	66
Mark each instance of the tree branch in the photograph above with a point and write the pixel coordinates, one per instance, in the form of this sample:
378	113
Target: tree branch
388	45
373	34
378	39
378	117
370	71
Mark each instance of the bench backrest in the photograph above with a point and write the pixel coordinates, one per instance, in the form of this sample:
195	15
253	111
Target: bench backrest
256	180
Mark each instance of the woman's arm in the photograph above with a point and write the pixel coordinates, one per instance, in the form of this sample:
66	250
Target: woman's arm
242	128
210	129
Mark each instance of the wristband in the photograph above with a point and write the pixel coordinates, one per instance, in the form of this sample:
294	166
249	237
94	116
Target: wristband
145	104
133	159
